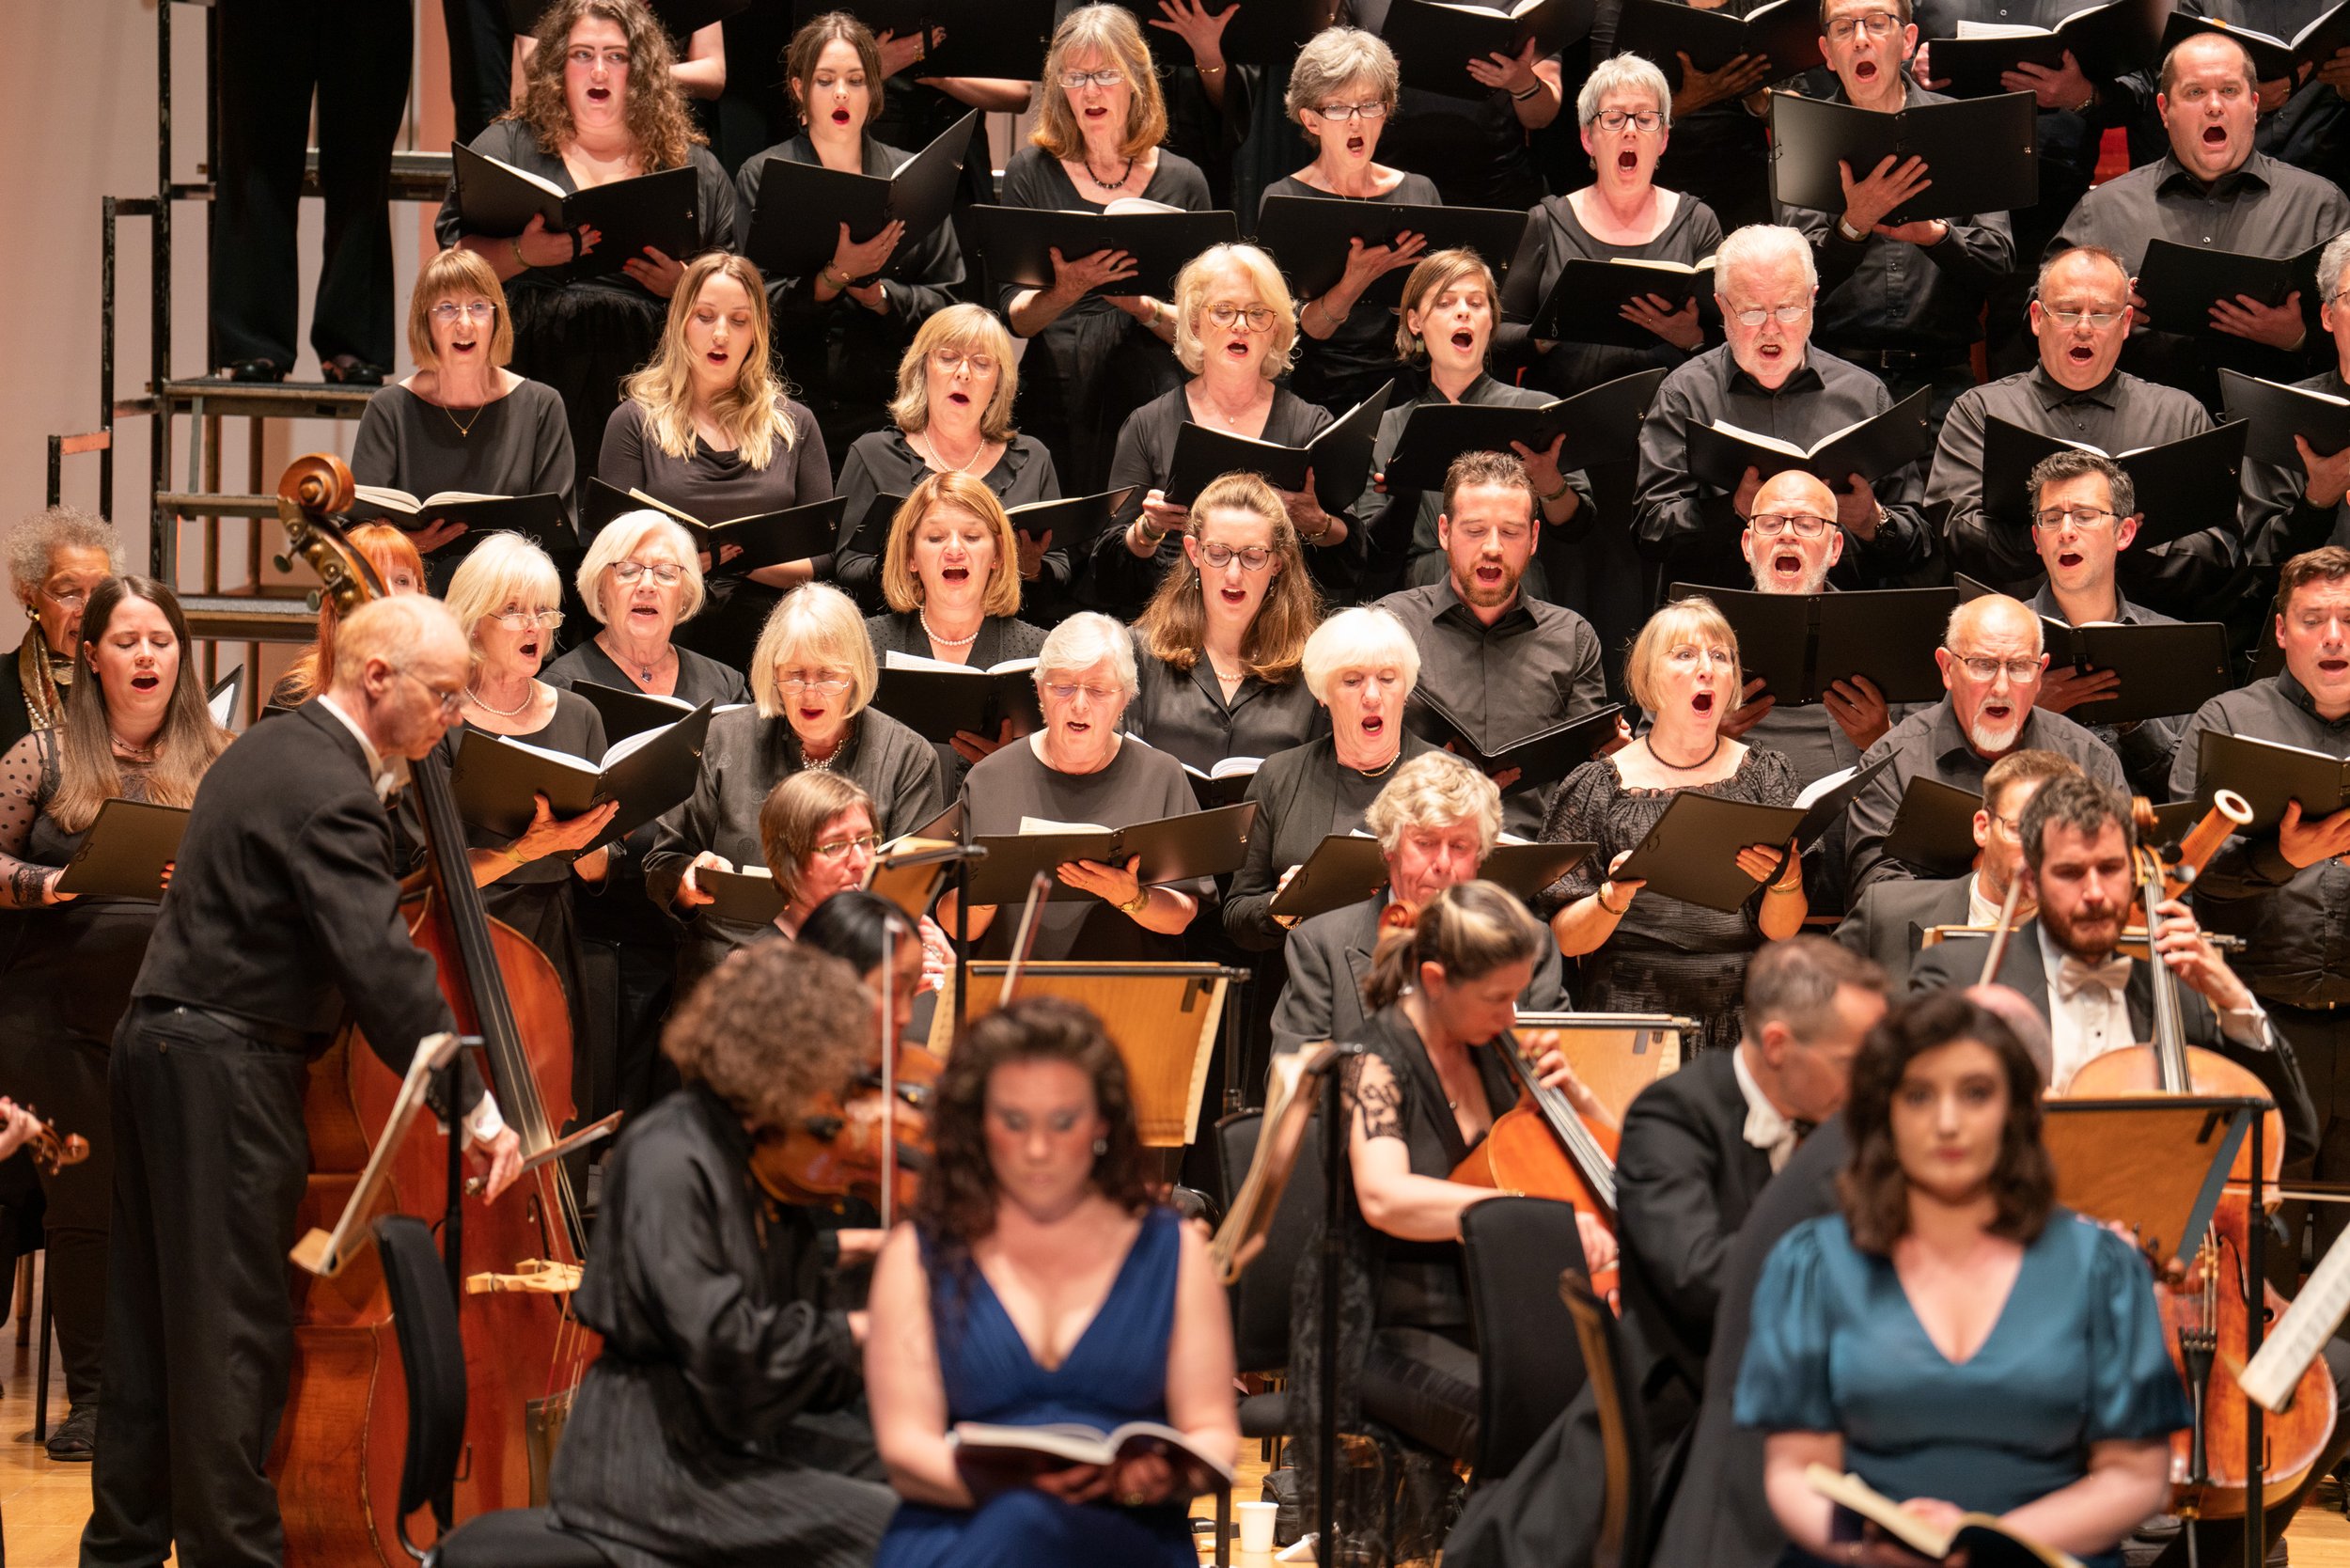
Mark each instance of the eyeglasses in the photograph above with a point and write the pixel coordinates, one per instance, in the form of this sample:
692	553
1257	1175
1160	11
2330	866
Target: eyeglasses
838	847
71	598
450	701
1353	111
1253	557
801	680
450	311
2080	517
2014	825
628	573
1258	317
1477	533
2097	319
1646	122
951	360
2022	672
1770	525
1066	691
1076	81
1785	315
522	621
1877	25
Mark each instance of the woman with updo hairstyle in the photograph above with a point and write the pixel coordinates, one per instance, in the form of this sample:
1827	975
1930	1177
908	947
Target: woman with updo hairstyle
598	104
723	1422
1444	984
1034	1220
56	559
135	728
843	327
1953	1337
399	567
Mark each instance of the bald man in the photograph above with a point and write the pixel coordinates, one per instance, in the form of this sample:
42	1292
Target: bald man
1991	662
283	922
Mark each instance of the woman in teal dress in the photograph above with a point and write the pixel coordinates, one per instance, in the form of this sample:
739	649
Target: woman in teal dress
1039	1284
1953	1337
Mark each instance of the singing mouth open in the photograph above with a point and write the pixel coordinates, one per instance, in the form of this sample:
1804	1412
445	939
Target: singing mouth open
2068	559
146	681
1465	340
840	117
1237	348
718	357
963	397
2334	666
599	96
1703	702
1354	145
1235	597
2215	135
2082	354
1628	160
954	574
1787	564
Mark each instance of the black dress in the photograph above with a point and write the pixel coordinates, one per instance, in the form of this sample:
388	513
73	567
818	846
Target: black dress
714	486
884	463
517	445
723	1423
1343	369
999	637
628	949
1094	365
64	986
584	338
1184	712
842	356
1121	584
1665	955
1473	148
1303	795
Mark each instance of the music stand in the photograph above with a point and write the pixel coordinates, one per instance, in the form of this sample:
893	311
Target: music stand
1616	1055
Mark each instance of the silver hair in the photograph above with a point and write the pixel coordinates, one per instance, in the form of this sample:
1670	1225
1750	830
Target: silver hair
1624	73
1084	640
626	533
1364	637
2331	264
1337	56
1759	244
35	543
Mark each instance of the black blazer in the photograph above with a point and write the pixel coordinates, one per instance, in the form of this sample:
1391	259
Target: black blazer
1884	923
1295	794
283	907
1329	958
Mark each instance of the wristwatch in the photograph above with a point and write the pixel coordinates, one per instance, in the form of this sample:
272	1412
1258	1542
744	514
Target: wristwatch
1140	902
1849	232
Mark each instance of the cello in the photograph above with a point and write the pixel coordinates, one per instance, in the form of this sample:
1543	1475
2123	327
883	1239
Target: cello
1542	1147
340	1448
2208	1311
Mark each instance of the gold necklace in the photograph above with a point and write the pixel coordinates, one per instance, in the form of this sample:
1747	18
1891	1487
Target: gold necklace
465	432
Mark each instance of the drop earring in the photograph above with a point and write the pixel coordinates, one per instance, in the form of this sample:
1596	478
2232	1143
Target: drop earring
1101	1147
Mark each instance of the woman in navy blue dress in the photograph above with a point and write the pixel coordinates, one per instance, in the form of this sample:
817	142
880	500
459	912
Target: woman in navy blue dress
1953	1337
1039	1284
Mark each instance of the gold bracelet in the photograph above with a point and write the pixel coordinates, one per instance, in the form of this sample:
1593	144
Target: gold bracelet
1601	896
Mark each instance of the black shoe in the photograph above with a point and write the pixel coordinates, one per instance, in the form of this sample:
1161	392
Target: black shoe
255	369
75	1440
353	371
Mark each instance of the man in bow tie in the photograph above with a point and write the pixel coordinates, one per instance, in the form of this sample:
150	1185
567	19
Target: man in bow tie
2077	841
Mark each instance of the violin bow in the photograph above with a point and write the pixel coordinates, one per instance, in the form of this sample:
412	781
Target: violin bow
1025	939
2007	929
888	989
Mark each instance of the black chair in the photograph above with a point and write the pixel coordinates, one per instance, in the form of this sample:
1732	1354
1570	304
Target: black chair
1528	1367
1260	1297
433	1354
1623	1524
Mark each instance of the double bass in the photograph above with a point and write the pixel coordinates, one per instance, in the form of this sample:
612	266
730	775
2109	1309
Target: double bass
341	1445
1542	1147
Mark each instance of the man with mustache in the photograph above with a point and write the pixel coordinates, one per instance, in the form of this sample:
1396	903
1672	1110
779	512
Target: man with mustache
1991	661
1770	379
1504	665
1904	300
2214	190
2081	316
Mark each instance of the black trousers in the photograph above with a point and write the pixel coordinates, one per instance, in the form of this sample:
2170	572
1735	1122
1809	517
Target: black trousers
2320	1040
481	63
274	55
210	1161
66	1081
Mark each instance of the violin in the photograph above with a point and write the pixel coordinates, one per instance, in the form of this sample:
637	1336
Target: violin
841	1146
1542	1147
2208	1311
51	1150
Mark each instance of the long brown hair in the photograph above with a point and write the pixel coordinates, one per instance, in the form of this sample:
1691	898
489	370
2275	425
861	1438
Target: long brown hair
1470	929
184	747
1873	1186
389	550
1174	625
658	120
957	1205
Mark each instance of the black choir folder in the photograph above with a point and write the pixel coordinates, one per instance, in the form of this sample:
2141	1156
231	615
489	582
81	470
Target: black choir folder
1985	1541
1173	848
2107	41
497	200
496	777
1017	243
1933	827
765	538
2268	774
1692	852
747	897
1435	40
628	712
2277	413
1720	453
2181	283
1309	237
1586	304
1602	424
996	1457
1801	644
2166	668
2183	486
1785	32
1545	756
1072	522
937	701
1980	153
1347	868
124	854
1338	458
796	230
540	518
2273	59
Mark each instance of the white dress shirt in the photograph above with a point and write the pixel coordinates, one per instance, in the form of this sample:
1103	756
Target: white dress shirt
1765	1128
2089	1016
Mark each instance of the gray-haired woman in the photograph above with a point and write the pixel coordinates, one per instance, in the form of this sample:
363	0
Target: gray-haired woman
55	558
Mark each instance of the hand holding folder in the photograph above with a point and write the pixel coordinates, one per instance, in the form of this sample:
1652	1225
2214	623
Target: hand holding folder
802	207
1701	849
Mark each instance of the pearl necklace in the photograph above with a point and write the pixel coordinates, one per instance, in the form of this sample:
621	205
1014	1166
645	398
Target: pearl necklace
530	695
923	616
937	459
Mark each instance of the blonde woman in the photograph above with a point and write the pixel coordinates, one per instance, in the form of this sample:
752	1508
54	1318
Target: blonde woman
812	678
599	103
1097	141
1236	334
710	428
956	385
463	421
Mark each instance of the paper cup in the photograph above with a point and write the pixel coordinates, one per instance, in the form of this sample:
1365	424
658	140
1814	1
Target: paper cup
1256	1525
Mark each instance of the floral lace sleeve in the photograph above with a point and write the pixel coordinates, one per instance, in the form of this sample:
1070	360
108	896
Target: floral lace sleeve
22	772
